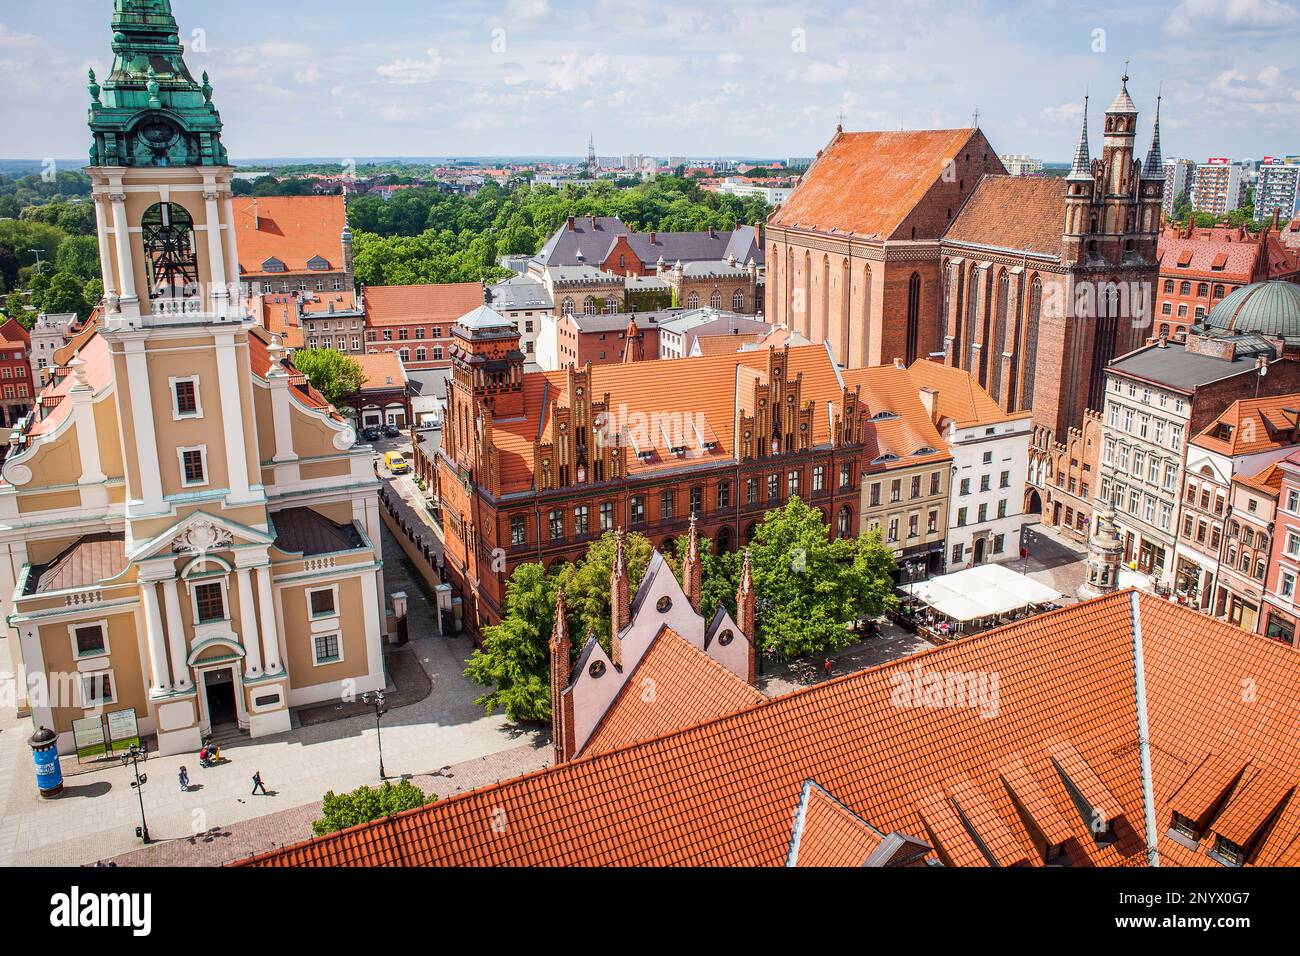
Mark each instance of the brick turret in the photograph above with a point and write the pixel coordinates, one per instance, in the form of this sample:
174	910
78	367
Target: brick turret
692	572
561	664
746	604
619	601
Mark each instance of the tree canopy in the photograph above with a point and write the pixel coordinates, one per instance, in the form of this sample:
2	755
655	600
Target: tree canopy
811	589
336	376
342	810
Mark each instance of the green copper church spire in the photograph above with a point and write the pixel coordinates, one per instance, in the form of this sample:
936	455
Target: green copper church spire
149	110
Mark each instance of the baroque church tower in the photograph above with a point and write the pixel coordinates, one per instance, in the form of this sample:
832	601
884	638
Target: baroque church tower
222	536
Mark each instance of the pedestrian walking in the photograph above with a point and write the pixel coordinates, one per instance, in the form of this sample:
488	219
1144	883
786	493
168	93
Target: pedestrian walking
185	780
828	667
257	782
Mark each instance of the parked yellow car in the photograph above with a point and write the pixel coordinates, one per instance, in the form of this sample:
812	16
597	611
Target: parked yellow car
395	463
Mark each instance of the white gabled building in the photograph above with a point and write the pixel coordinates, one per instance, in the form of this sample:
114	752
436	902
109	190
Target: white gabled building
990	462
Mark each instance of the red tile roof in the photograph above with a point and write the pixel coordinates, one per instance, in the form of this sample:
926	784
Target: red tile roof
868	183
383	371
293	229
414	304
960	398
1021	213
1057	720
674	685
827	833
1253	425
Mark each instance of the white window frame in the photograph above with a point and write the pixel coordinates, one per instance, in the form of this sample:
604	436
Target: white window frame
192	585
72	637
96	676
180	461
177	414
319	662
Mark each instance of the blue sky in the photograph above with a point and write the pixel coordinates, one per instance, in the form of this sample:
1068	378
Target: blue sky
512	77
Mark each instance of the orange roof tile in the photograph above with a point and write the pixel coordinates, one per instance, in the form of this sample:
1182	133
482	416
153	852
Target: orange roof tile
1253	425
1020	213
383	370
1268	481
869	183
293	229
721	793
827	833
439	304
889	390
961	399
674	685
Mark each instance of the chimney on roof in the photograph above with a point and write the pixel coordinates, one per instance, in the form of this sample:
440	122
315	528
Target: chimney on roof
930	400
899	363
652	238
569	224
593	222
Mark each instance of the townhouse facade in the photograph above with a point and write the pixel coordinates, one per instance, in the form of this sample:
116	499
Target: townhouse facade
1280	615
1247	548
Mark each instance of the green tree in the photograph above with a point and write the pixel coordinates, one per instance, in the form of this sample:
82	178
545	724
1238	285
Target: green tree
514	661
812	588
340	811
65	294
336	376
78	256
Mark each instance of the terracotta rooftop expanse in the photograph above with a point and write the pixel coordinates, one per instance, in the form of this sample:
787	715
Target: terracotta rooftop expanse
1252	425
1013	212
868	183
1016	740
383	370
688	390
960	398
292	229
438	304
689	687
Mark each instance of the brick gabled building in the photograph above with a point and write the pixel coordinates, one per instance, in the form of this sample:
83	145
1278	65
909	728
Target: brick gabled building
697	664
534	466
912	244
853	256
1033	772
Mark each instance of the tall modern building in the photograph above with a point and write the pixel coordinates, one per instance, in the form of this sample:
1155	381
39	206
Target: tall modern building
1278	189
1219	186
189	533
1178	182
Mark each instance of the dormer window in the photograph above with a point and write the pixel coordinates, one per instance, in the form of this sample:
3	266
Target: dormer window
273	265
317	264
1185	825
884	416
1227	852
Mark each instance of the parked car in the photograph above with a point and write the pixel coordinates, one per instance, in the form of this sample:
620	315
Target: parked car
370	433
392	431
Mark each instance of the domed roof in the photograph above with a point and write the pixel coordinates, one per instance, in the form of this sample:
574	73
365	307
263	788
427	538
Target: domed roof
1265	308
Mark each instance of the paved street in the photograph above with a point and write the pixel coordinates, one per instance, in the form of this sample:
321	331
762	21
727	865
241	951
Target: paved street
96	816
1054	560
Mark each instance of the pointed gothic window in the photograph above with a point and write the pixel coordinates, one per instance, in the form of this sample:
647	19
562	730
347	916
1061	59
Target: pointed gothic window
168	233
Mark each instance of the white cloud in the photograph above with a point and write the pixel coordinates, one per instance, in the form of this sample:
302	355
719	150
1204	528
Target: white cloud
408	72
517	10
1192	15
823	73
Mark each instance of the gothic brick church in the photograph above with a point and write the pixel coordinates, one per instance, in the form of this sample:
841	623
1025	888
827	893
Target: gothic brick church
916	243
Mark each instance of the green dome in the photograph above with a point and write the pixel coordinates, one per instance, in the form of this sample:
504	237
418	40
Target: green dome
1265	308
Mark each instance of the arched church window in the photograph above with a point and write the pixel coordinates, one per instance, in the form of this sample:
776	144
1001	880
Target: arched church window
715	300
566	307
693	300
589	306
169	248
738	301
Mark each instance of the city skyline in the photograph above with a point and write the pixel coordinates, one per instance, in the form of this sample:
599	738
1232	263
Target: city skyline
498	80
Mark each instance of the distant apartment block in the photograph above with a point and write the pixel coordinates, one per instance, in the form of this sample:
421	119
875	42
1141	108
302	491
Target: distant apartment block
1219	186
1278	189
1179	174
1018	164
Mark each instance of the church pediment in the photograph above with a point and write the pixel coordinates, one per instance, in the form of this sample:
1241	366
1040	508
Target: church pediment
198	534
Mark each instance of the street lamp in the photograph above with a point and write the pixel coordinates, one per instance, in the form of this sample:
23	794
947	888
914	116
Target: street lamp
39	265
133	756
376	699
